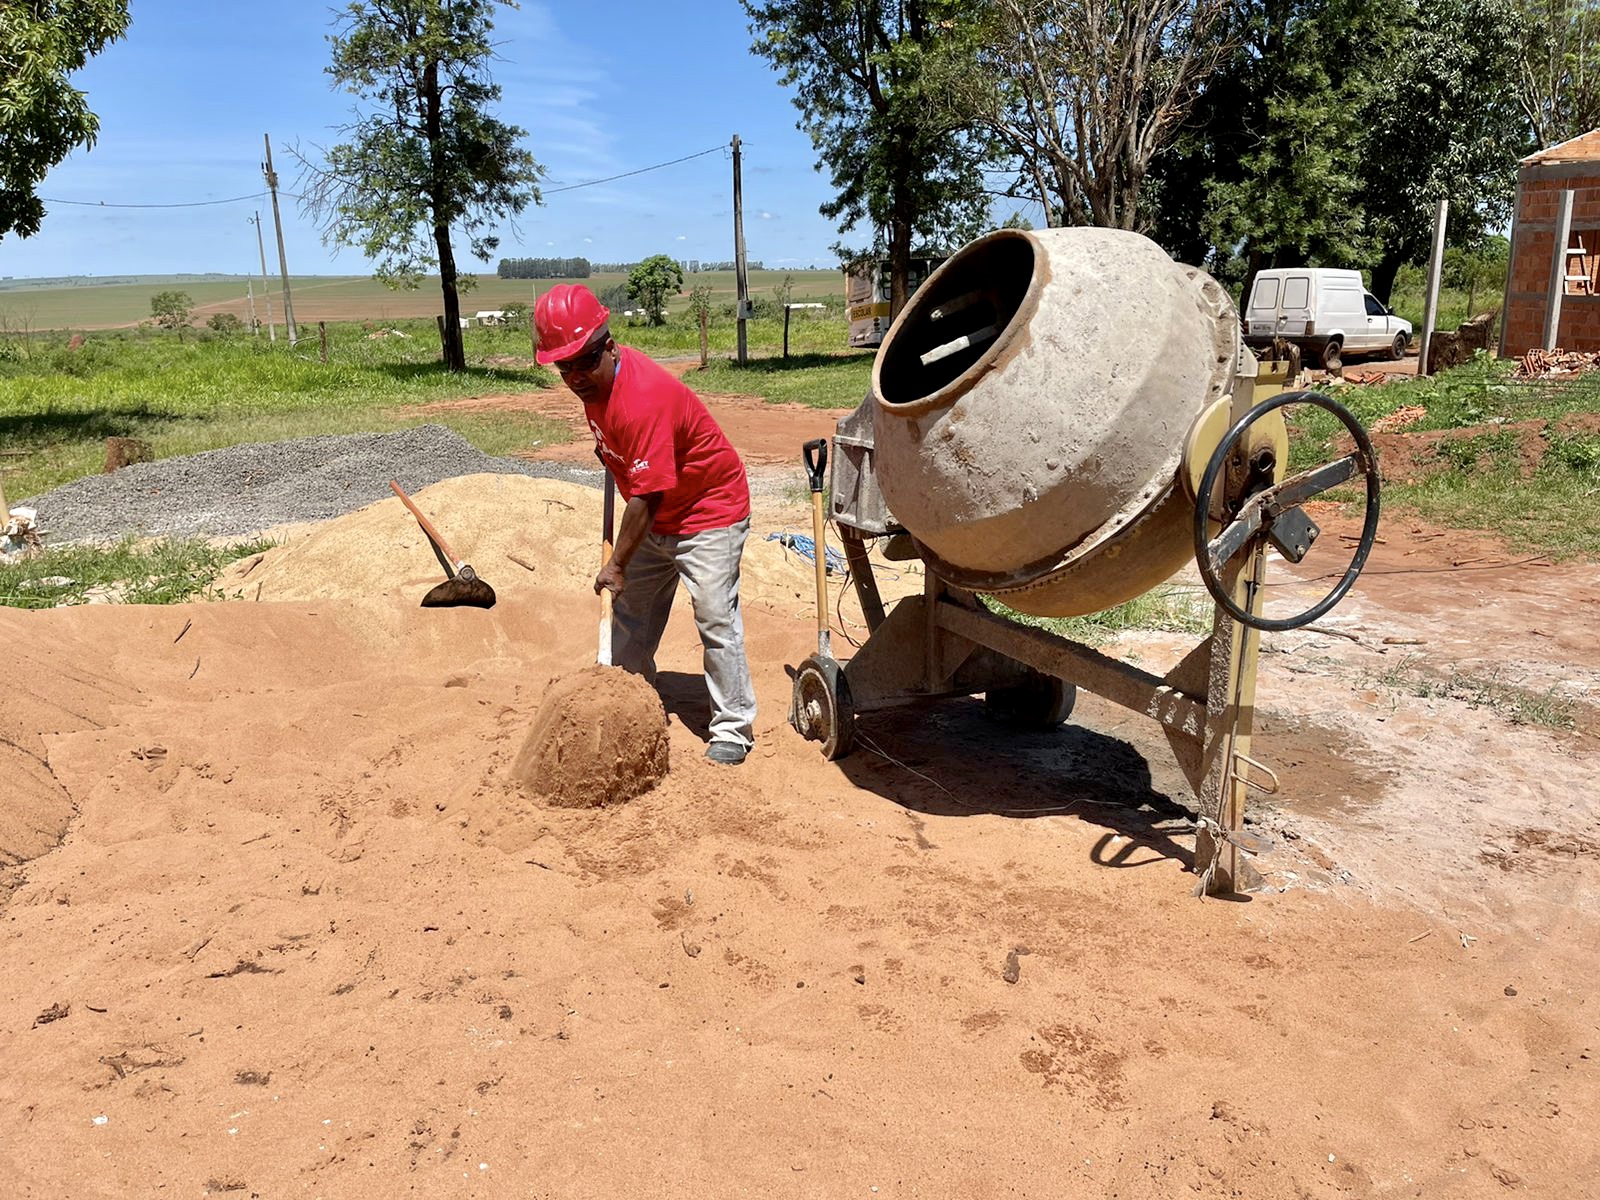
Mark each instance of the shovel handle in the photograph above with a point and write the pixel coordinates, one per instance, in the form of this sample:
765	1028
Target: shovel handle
816	456
607	521
427	527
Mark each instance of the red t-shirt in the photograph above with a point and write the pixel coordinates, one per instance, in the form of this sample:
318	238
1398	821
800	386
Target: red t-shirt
656	436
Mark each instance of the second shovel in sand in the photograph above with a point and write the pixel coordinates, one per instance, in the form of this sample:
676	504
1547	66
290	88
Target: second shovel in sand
463	587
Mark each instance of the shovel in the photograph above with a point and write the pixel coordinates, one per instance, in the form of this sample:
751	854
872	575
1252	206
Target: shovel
463	587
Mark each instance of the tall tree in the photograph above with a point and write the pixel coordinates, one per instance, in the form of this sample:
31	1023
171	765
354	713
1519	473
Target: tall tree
862	79
1297	198
428	158
43	118
1559	68
1086	93
1444	125
1267	173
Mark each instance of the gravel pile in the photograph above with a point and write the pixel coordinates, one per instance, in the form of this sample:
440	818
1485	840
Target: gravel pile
226	493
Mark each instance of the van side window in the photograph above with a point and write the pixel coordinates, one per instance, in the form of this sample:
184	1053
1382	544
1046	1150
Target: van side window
1374	309
1295	293
1266	294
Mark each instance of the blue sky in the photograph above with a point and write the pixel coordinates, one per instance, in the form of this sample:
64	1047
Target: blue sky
601	88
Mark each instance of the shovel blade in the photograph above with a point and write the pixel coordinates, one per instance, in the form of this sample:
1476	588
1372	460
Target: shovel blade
460	592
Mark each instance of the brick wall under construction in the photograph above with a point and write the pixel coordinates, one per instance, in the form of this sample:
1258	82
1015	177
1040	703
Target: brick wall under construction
1528	281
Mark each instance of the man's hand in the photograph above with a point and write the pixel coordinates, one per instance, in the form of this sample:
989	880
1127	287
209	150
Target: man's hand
610	576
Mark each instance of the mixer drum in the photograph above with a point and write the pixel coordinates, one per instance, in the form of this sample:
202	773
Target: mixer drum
1030	407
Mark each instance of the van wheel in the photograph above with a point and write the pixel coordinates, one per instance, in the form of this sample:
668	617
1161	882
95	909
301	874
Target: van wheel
1398	350
1330	356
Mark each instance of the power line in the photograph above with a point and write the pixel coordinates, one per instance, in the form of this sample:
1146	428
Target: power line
259	195
610	178
186	204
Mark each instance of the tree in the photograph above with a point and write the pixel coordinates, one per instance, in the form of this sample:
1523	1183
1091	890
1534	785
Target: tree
1086	93
171	310
1558	68
700	308
428	158
43	118
1267	173
651	282
1445	125
866	74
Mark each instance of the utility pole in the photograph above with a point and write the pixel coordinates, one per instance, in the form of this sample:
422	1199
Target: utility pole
266	292
250	302
741	275
283	262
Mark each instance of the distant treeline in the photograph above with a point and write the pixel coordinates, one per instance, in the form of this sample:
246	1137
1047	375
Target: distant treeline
545	268
582	268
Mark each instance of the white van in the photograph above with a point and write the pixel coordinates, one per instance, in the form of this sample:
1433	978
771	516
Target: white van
1327	312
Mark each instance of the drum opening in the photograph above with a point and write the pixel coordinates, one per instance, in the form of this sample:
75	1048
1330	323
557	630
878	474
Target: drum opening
960	315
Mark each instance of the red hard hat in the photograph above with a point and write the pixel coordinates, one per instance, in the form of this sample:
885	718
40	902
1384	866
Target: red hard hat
567	316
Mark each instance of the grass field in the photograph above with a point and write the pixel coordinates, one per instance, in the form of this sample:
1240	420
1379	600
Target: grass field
89	304
58	405
1479	482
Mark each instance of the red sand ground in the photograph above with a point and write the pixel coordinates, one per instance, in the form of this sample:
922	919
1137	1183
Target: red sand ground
310	939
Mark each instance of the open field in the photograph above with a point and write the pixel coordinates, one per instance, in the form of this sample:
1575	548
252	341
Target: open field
86	305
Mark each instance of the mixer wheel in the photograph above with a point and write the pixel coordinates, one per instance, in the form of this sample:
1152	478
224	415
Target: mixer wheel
1040	702
822	710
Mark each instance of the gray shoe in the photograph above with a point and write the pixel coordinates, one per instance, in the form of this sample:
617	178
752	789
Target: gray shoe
729	753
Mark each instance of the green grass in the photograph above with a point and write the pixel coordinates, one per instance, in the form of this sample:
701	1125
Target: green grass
1518	705
167	571
1166	608
58	406
1479	484
90	303
816	380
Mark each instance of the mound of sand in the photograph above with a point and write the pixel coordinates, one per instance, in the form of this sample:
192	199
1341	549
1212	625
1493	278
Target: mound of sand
600	738
524	536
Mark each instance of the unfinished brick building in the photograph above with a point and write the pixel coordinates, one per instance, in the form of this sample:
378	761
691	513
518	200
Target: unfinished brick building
1553	298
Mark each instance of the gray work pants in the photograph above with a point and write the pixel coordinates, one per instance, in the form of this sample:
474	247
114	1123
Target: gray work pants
708	564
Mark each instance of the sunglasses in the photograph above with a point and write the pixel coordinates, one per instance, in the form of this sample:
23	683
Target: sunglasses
583	363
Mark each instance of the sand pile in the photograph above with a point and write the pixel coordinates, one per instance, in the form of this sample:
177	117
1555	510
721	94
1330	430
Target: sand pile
524	536
601	738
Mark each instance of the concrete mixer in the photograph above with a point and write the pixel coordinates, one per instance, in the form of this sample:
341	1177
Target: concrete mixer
1061	420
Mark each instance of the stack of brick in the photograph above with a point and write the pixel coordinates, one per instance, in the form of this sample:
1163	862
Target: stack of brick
1573	166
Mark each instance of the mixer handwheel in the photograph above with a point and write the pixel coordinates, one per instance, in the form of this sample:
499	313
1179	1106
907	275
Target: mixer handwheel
822	710
1272	510
1039	702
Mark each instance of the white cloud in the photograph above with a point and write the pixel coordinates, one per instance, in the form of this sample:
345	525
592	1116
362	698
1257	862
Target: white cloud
683	237
766	216
588	241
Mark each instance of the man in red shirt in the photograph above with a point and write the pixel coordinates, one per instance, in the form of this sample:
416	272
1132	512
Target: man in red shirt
688	506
